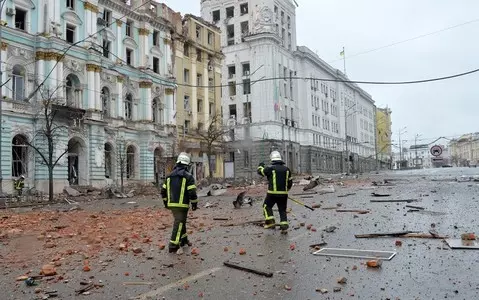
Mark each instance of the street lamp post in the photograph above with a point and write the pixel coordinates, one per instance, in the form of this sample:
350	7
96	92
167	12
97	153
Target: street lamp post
2	2
415	149
401	131
249	116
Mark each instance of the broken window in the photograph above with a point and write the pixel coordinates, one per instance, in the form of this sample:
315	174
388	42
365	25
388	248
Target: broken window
231	72
244	28
187	127
106	48
232	111
230	34
186	50
210	38
216	16
105	102
200	105
71	4
18	83
156	38
128	107
108	160
186	76
246	69
130	162
198	55
129	28
244	8
70	33
230	12
156	65
19	156
20	19
107	17
246	87
232	88
129	56
198	32
157	111
247	110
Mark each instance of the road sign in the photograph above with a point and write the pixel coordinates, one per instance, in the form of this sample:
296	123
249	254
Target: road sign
436	150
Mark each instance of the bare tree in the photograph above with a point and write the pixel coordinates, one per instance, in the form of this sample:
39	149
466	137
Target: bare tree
213	138
122	161
53	119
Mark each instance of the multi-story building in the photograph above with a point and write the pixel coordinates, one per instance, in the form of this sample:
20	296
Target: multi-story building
383	135
464	151
198	60
105	70
275	98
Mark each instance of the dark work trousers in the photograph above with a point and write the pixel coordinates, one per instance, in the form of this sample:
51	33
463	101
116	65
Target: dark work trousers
178	235
282	202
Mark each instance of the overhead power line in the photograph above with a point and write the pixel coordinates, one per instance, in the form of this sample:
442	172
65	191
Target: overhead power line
407	40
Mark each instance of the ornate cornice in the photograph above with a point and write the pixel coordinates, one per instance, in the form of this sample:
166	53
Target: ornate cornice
119	78
91	7
93	68
169	91
43	55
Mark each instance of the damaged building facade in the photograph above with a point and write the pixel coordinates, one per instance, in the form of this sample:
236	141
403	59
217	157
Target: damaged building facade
274	99
198	60
110	96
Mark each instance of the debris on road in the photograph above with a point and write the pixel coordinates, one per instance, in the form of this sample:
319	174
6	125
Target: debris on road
342	280
398	243
380	195
346	195
287	287
374	263
242	251
304	194
327	190
337	289
356	253
48	270
462	244
330	229
138	283
322	291
292	246
242	200
415	207
359	211
468	237
246	269
386	201
85	289
404	234
220	219
321	244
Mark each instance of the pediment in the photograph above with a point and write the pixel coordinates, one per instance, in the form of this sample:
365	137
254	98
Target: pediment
129	42
72	17
24	3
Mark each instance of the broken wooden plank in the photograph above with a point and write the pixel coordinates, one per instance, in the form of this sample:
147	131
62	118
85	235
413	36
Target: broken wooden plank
138	283
424	236
246	269
380	195
415	207
321	244
386	234
307	197
332	207
359	211
346	195
386	201
220	219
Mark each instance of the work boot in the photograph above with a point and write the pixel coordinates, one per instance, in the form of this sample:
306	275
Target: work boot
185	242
173	249
283	226
269	225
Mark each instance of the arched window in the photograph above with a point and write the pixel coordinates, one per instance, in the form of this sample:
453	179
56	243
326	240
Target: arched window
130	162
18	83
128	107
72	91
105	102
108	160
19	156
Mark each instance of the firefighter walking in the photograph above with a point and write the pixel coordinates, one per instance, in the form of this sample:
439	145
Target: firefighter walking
177	192
279	183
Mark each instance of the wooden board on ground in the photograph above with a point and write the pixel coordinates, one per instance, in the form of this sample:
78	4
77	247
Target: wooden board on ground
462	244
355	253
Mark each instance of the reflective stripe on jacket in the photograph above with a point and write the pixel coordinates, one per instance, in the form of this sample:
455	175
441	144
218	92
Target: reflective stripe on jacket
179	189
279	178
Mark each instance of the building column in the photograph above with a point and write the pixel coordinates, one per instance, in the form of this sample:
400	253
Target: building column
114	105
4	47
206	95
119	40
194	92
119	99
170	108
97	89
91	11
60	81
146	111
143	46
91	69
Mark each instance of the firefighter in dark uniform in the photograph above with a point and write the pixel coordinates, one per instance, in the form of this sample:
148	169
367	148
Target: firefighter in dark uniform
279	183
178	191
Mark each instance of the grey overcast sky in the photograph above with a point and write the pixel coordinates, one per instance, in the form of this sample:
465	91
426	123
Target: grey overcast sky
446	108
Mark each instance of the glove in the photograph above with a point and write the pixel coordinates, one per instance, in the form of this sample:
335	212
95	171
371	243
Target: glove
194	206
261	164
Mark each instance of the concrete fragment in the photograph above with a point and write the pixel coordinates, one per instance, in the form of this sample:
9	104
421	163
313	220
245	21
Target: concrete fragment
374	263
242	251
322	291
137	250
71	192
341	280
48	270
337	289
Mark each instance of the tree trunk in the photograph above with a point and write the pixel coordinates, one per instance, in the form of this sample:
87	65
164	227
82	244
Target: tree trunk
121	180
50	183
210	152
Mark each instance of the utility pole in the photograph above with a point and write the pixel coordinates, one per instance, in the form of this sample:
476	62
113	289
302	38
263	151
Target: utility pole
400	132
2	2
249	115
415	150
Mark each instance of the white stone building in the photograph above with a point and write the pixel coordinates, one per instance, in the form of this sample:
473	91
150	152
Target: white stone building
267	105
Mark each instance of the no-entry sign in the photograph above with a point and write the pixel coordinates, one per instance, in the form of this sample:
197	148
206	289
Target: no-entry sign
436	150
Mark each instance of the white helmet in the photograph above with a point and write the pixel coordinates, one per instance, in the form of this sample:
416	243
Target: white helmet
183	159
275	156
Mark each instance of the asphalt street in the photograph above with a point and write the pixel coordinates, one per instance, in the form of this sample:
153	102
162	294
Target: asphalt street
422	268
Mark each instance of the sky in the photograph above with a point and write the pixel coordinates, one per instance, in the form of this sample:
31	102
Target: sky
431	110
